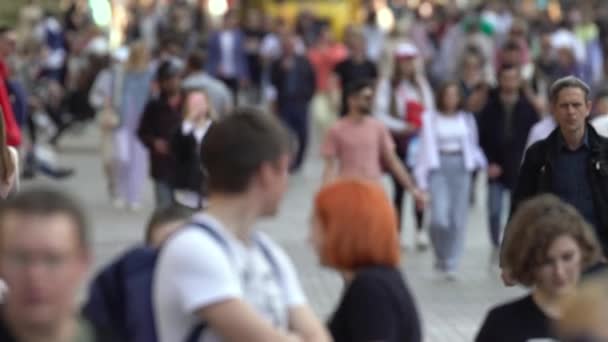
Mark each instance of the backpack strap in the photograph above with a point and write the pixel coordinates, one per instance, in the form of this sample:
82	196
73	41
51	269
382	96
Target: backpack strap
268	255
214	234
198	330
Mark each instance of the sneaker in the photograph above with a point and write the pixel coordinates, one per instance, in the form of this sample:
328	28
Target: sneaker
119	203
422	240
57	172
135	207
451	276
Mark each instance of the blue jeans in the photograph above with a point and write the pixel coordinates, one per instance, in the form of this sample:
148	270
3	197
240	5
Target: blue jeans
296	120
496	193
450	186
163	193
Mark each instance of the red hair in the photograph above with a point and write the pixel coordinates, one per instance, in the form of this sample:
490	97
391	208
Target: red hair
359	225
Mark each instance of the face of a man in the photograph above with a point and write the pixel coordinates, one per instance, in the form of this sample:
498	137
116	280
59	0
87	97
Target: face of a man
571	110
275	178
288	44
510	80
43	265
364	100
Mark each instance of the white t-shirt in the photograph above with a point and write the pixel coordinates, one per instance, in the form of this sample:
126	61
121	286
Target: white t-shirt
195	271
450	133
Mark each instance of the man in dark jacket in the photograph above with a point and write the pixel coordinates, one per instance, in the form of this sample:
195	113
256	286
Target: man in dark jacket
161	118
504	124
572	162
294	80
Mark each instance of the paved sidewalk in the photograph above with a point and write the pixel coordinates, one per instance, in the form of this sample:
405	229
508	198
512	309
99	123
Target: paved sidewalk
451	311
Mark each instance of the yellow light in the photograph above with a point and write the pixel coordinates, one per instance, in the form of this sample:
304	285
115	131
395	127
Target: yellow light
425	10
101	11
119	20
385	19
217	8
413	3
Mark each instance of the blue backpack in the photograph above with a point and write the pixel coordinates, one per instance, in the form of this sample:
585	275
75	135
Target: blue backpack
120	296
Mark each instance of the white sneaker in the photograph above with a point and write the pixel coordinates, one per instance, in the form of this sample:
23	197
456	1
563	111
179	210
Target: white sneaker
422	240
135	207
451	276
119	203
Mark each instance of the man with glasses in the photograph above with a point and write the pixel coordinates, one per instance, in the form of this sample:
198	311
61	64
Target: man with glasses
358	144
44	258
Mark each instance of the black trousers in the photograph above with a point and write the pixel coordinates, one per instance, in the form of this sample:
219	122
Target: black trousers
399	191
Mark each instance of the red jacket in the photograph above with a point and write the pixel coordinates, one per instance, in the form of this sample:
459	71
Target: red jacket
13	134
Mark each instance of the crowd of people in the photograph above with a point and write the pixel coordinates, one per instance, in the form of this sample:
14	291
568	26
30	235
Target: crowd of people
218	117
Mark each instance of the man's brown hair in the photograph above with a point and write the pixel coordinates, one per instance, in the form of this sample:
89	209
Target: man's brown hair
45	201
236	146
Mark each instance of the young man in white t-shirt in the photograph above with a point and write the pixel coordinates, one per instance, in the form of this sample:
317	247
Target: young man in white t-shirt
229	277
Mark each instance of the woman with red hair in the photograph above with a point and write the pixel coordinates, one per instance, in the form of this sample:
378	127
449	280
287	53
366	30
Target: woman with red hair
354	232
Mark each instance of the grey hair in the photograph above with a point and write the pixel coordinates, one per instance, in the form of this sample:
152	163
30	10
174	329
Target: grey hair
568	82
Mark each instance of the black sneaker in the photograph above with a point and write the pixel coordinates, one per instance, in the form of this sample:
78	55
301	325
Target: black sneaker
57	173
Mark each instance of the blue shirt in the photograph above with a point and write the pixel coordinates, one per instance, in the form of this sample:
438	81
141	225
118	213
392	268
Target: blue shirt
570	180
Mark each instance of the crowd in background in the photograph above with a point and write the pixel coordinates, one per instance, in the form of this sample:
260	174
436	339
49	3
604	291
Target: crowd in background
436	100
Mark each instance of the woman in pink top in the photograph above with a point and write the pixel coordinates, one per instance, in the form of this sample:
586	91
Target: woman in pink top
357	144
324	56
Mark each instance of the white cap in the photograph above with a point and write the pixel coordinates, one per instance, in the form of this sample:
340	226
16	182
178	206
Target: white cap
405	50
564	39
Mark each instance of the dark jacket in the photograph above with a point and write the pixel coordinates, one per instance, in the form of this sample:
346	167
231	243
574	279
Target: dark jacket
159	121
498	148
298	92
189	170
215	55
536	175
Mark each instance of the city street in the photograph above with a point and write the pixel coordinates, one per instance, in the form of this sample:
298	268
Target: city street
451	311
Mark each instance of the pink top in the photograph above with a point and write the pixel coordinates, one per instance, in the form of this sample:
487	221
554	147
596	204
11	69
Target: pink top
323	60
358	147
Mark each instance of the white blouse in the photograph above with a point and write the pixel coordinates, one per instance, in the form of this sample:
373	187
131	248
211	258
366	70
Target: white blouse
451	131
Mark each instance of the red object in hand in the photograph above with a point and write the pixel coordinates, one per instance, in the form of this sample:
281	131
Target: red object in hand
13	133
414	112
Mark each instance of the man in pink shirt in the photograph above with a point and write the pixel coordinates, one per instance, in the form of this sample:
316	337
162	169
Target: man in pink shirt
357	145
